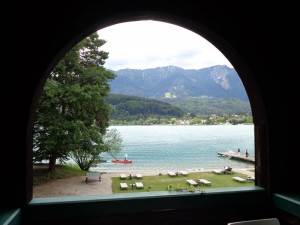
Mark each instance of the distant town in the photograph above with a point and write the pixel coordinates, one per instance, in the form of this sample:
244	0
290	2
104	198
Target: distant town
188	120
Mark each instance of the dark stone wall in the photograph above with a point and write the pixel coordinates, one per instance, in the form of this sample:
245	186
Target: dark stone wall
259	40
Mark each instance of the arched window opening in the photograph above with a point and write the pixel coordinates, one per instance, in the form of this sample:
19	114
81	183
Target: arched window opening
166	119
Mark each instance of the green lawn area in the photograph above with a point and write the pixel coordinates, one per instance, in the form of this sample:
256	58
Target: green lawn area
161	182
42	175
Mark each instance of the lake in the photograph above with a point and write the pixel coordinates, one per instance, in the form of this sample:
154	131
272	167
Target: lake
191	148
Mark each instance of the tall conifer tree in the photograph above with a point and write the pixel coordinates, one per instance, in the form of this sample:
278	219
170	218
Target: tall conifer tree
72	115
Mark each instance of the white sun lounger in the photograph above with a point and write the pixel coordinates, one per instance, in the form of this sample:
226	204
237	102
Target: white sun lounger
192	182
123	176
184	173
205	182
171	174
250	178
239	179
138	176
123	185
217	171
139	185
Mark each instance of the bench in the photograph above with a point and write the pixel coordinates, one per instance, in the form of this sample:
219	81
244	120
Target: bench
94	175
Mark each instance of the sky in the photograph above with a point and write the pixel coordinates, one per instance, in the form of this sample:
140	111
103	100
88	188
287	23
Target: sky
151	44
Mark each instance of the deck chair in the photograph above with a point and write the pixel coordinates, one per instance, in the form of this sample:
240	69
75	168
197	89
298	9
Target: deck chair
239	179
138	176
171	174
124	185
227	170
184	173
139	185
192	182
205	182
217	171
270	221
250	178
123	176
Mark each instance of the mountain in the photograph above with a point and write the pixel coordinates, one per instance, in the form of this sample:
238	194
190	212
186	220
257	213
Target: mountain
218	81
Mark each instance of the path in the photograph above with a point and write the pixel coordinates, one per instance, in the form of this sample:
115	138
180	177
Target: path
75	186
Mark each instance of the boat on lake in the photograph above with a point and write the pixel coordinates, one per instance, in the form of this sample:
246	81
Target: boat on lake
121	161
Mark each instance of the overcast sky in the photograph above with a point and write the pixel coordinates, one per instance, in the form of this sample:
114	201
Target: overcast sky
150	44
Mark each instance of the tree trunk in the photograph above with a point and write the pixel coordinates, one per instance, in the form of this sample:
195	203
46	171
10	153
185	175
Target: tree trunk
52	162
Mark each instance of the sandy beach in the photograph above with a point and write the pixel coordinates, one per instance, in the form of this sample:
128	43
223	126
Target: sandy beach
76	186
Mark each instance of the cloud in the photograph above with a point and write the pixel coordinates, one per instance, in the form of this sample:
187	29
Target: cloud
149	44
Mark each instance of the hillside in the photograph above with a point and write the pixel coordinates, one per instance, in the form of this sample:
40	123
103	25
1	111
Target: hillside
133	108
204	105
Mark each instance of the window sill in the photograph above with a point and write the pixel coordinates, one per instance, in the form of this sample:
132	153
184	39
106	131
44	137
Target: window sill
72	206
288	202
10	217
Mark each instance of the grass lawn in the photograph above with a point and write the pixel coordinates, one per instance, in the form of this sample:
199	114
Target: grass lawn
160	183
41	175
151	183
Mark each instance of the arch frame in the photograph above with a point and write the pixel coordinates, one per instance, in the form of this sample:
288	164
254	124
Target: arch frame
214	36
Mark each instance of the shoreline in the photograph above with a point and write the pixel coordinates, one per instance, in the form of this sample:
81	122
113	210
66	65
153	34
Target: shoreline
245	171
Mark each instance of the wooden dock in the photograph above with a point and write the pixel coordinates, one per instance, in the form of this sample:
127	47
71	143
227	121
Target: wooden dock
236	155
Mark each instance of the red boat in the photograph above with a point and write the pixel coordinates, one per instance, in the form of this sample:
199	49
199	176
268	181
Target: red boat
121	161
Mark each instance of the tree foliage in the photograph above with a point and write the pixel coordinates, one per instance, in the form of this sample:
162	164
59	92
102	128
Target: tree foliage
72	114
132	108
113	141
86	146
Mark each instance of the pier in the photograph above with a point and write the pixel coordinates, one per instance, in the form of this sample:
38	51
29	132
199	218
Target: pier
237	155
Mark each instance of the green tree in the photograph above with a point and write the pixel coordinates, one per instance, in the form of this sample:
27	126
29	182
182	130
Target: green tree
72	114
113	142
173	120
86	145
